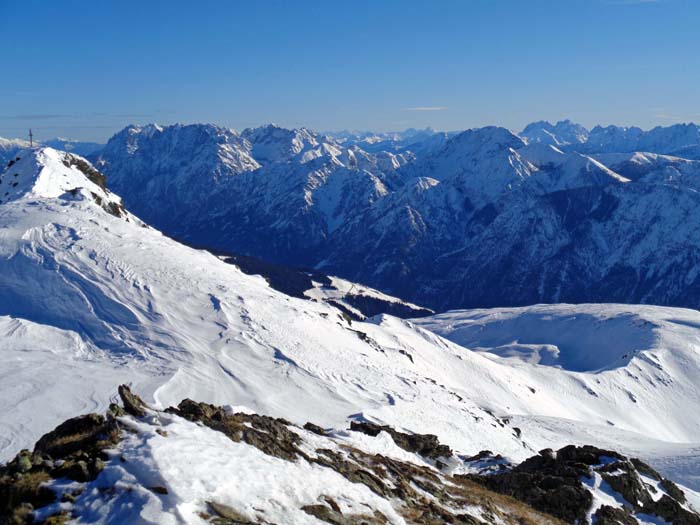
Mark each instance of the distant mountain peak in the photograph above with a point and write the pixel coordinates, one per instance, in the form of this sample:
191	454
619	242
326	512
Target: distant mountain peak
562	133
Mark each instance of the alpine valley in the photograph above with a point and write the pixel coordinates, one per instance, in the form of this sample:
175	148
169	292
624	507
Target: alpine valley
277	326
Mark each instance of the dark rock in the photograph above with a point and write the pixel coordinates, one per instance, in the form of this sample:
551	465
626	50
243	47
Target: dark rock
268	434
672	490
133	404
626	481
427	445
645	469
607	515
335	517
227	515
672	511
24	461
73	435
75	470
549	482
484	454
81	165
352	471
315	429
115	411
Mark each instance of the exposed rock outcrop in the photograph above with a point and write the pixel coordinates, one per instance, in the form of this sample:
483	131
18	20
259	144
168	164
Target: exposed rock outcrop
549	488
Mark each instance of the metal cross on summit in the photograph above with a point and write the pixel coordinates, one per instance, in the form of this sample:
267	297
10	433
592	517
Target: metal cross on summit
31	138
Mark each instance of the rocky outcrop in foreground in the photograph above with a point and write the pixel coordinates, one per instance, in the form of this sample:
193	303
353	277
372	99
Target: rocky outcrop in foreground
200	463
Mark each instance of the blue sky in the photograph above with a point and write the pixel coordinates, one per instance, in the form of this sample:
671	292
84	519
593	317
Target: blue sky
85	69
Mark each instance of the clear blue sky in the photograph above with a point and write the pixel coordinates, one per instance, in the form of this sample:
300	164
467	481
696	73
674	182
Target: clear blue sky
85	69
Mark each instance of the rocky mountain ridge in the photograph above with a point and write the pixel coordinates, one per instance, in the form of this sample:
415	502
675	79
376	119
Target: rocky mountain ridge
95	467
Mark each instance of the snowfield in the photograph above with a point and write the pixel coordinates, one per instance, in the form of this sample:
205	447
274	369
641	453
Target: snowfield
91	299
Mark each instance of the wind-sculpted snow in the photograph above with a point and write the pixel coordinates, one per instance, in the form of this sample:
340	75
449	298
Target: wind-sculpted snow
97	299
583	338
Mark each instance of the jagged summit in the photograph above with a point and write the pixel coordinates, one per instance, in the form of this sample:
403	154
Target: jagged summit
486	140
562	133
272	143
46	173
482	163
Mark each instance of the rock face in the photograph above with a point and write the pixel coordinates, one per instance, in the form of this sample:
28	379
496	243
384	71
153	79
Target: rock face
559	483
103	462
73	450
426	445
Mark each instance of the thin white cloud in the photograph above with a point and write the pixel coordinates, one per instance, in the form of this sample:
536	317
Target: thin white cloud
426	108
633	2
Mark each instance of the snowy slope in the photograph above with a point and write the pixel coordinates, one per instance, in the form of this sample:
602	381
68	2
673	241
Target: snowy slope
653	168
138	307
645	356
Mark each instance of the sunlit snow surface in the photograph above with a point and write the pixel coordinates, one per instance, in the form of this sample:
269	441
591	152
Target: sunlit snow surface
89	301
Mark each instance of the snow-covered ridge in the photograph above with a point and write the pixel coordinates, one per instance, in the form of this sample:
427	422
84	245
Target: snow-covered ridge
48	173
45	173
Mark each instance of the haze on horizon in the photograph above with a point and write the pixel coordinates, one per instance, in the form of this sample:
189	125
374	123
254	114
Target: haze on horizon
85	70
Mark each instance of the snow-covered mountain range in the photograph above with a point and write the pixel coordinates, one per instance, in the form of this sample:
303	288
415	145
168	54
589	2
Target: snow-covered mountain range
270	192
9	148
480	218
93	297
678	139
